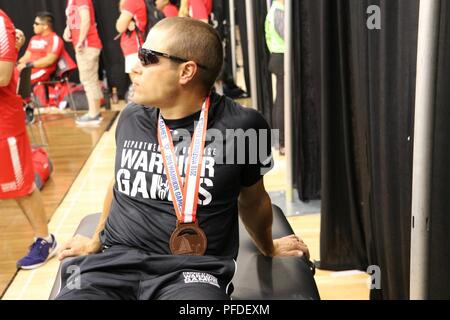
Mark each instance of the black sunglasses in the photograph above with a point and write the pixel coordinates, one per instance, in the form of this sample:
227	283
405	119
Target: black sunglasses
148	56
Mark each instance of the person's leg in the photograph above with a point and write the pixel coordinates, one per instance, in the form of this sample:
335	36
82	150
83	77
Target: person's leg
17	163
17	182
176	277
39	90
193	291
87	61
109	275
31	204
33	208
276	66
279	107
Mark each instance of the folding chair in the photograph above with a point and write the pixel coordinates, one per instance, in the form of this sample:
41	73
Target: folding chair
25	91
65	66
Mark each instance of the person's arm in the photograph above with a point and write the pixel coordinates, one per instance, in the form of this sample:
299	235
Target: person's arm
85	24
80	245
44	62
25	58
255	210
67	35
184	10
279	22
124	21
6	72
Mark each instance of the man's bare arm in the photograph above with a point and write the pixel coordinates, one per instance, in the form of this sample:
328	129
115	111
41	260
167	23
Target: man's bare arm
84	27
6	72
80	245
255	210
25	58
123	22
47	61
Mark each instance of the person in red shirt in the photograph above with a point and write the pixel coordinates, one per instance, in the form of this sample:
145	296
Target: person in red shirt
167	7
200	9
42	53
81	30
17	173
132	24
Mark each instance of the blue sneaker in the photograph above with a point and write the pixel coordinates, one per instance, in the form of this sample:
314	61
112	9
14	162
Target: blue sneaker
40	252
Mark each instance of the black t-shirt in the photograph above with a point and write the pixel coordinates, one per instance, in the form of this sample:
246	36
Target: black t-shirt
142	213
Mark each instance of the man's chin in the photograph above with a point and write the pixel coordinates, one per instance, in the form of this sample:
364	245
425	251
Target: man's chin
138	99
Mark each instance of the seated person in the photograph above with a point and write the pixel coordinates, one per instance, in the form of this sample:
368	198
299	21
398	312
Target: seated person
42	53
167	7
161	236
20	39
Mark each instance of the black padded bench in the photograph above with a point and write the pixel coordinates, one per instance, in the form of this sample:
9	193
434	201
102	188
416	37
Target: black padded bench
257	277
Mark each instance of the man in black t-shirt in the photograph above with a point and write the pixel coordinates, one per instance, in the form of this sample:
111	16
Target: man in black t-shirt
217	148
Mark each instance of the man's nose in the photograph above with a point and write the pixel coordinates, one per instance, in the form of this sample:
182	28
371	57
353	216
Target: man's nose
137	68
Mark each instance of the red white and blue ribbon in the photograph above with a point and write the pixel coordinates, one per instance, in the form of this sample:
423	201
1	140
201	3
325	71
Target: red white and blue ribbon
184	196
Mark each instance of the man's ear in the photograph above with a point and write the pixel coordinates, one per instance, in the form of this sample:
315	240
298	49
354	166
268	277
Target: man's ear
187	72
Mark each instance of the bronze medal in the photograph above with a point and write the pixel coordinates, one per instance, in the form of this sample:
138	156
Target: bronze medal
188	239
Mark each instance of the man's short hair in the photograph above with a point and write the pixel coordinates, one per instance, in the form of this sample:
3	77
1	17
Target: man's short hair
197	41
46	17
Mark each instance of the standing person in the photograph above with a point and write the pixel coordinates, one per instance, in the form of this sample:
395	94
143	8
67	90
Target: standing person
42	54
167	7
132	24
274	29
17	173
81	30
161	236
200	9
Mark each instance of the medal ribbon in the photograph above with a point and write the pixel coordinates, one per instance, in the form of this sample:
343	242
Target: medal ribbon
184	196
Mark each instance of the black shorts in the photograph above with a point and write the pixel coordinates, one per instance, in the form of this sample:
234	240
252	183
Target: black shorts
126	273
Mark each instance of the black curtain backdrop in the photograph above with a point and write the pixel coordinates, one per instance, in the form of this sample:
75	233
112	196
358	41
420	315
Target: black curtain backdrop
263	76
366	83
439	262
241	22
23	12
306	99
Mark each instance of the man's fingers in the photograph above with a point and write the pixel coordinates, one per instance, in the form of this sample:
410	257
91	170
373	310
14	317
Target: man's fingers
305	250
66	245
66	253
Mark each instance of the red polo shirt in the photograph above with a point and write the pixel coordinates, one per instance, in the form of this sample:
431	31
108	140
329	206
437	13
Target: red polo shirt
74	20
12	117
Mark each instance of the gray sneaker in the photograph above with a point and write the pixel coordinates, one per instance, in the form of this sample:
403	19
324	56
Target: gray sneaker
87	120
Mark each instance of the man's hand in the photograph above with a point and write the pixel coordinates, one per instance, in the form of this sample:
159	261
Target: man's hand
67	35
132	26
79	47
291	245
79	246
21	66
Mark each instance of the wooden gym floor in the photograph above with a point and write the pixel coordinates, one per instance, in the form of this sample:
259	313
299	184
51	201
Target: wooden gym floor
92	151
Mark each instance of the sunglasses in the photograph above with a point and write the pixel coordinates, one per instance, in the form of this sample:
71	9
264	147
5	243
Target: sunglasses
147	57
